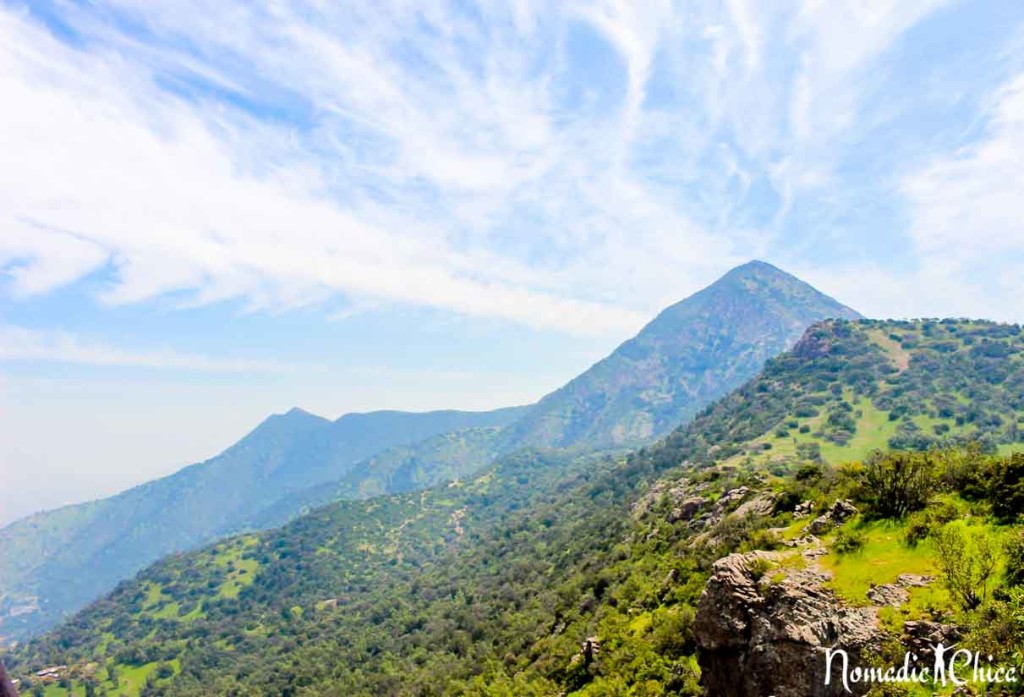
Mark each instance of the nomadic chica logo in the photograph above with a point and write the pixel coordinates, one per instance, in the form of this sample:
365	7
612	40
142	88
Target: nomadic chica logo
951	666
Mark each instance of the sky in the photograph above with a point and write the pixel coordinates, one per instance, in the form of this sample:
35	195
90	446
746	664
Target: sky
210	212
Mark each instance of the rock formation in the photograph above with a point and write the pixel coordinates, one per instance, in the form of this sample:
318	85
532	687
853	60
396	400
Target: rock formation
7	688
838	513
763	629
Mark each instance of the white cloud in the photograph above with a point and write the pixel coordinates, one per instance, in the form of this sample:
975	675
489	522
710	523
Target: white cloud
425	157
41	259
969	203
46	346
139	179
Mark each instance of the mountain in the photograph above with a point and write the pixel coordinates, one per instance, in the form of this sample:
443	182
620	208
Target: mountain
55	562
692	353
560	573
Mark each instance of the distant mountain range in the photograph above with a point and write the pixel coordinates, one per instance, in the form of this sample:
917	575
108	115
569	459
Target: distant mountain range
490	586
59	560
695	351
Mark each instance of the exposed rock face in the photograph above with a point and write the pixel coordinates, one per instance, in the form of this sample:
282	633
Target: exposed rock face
762	504
764	631
838	513
691	503
686	499
803	510
686	509
921	636
891	594
896	594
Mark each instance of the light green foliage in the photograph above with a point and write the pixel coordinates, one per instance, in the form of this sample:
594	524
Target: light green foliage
387	597
968	558
289	463
882	557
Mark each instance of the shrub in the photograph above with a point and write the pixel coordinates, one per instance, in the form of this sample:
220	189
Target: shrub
897	484
672	631
761	539
967	562
809	472
1014	550
917	530
1007	488
758	567
809	451
847	541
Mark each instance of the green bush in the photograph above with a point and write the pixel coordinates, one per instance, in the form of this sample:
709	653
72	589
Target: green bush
1014	551
758	567
809	472
968	560
847	541
917	530
1006	491
897	484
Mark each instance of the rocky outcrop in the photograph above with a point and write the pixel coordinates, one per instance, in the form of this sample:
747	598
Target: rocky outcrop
838	513
7	688
889	594
763	629
896	594
685	498
687	509
921	637
695	505
760	505
803	510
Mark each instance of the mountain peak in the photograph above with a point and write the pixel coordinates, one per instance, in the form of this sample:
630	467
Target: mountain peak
756	266
755	287
761	271
693	352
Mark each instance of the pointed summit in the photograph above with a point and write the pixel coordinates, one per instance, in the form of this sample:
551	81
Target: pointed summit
692	353
753	267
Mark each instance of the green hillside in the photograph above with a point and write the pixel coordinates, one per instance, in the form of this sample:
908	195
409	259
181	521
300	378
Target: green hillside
848	388
692	353
53	563
489	587
447	457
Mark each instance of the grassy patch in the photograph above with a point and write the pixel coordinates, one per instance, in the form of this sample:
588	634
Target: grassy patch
240	570
882	558
874	429
131	680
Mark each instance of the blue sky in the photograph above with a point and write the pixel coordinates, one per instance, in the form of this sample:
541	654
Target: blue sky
213	211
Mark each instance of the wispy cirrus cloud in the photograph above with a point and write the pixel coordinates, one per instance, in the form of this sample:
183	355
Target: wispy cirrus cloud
21	344
970	200
570	167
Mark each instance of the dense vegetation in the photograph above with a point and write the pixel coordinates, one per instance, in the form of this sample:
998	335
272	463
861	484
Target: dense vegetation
851	387
491	586
692	353
54	562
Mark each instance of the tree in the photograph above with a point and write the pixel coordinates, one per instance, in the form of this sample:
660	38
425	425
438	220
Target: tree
898	483
967	561
1007	488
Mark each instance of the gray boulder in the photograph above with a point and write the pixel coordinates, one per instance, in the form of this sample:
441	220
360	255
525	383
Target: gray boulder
764	630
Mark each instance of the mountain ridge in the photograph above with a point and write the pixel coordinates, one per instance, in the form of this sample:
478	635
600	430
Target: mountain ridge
489	587
112	537
691	353
753	312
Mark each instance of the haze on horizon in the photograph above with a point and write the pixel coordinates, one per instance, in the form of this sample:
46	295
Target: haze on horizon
212	213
